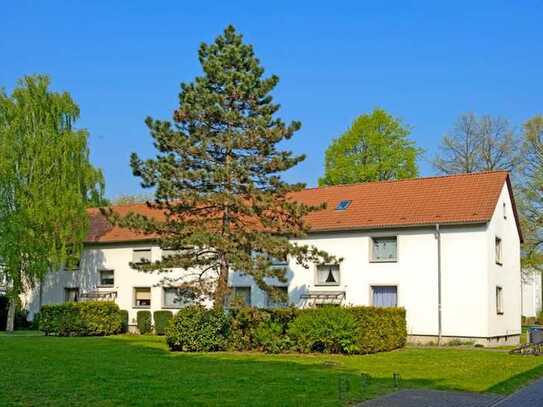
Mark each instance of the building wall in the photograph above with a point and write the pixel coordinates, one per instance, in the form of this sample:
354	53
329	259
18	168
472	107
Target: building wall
507	274
531	293
469	276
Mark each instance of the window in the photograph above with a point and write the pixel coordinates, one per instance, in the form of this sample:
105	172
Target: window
278	303
384	248
499	300
278	262
240	295
107	278
141	256
504	210
498	251
327	274
71	294
142	297
384	296
177	297
169	252
343	205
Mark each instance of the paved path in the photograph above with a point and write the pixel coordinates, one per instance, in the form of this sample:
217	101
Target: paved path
433	398
529	396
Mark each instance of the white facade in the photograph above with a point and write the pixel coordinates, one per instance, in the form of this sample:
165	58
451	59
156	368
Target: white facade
471	277
531	293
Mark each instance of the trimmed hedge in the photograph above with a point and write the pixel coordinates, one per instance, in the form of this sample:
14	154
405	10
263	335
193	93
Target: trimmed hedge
124	315
351	330
197	329
162	321
92	318
144	322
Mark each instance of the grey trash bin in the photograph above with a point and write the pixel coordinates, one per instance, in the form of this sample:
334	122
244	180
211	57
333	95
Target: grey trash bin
535	335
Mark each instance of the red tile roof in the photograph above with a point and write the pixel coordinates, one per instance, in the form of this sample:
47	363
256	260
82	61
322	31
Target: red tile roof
455	199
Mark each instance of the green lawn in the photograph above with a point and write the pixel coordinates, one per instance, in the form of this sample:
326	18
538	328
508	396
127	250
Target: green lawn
139	370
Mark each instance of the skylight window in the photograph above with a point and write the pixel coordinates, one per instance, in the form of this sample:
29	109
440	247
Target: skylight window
343	205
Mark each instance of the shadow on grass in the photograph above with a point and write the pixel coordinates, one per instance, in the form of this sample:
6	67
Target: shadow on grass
517	381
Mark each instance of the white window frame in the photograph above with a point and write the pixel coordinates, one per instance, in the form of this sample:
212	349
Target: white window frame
325	284
178	305
377	237
498	250
499	300
134	302
100	278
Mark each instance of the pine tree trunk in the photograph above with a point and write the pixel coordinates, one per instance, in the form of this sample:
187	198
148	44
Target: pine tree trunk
10	323
222	286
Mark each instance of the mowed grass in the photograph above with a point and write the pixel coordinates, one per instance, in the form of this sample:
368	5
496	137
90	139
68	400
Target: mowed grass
139	370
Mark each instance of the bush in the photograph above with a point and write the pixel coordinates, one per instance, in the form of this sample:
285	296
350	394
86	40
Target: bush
124	325
197	329
162	321
93	318
327	329
380	329
144	322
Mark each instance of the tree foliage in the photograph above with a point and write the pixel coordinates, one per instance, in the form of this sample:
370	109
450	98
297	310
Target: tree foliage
375	148
46	182
217	179
474	144
531	204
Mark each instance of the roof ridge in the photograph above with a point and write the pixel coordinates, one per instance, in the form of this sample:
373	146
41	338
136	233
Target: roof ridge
390	181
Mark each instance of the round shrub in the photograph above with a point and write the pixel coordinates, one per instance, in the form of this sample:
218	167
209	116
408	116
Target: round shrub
162	320
144	322
197	329
328	329
124	317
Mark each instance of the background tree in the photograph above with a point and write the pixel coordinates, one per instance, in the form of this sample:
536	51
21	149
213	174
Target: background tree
132	199
216	177
375	148
531	204
46	182
478	144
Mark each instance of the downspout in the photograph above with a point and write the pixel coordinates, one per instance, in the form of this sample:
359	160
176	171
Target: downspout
439	329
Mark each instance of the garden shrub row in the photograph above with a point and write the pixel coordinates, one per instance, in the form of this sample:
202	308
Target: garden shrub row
161	321
351	330
92	318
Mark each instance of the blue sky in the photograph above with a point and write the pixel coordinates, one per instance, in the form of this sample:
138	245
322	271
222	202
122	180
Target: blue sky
425	62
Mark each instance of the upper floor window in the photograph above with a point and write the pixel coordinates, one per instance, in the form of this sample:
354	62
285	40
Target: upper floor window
142	297
141	256
498	247
327	274
107	278
384	248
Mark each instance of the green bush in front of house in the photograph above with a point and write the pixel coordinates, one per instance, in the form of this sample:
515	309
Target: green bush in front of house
162	320
92	318
143	320
197	329
349	330
125	319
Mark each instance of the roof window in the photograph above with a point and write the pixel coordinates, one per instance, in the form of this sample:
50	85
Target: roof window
342	205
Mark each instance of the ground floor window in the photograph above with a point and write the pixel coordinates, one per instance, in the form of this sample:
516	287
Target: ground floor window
240	295
499	300
177	297
278	303
142	297
71	294
384	296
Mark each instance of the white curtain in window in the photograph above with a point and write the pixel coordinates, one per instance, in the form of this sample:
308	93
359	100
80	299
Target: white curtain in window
385	296
328	274
384	248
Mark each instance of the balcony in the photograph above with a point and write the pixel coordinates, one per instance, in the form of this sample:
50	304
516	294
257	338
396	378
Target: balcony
98	296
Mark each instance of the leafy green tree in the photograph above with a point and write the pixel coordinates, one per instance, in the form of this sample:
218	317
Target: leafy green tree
217	177
531	193
46	182
375	148
474	144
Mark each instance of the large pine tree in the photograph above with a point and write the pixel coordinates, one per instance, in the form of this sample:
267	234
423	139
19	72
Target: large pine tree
217	177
